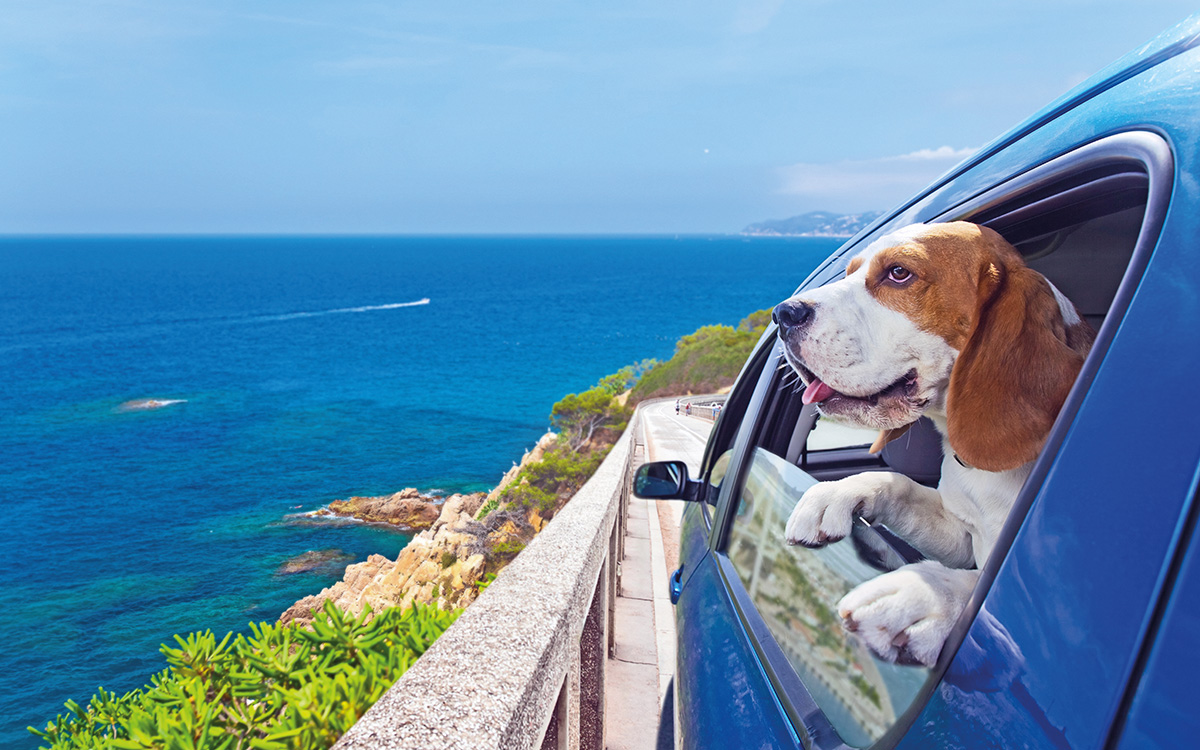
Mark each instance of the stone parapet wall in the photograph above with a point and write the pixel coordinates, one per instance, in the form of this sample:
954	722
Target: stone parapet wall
523	667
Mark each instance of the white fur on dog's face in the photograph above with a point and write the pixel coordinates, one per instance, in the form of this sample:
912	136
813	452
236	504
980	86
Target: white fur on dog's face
886	370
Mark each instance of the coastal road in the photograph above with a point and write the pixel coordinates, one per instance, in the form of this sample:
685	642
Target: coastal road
644	662
671	437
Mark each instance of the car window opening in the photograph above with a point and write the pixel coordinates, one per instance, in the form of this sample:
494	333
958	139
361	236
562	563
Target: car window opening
1080	231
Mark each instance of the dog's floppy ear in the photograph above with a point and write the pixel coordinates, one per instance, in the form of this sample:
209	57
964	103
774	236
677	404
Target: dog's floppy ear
1015	371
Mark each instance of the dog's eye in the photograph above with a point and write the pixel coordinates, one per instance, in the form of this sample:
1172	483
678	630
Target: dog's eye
899	274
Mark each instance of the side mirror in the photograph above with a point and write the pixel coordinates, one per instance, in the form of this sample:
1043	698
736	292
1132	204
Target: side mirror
664	480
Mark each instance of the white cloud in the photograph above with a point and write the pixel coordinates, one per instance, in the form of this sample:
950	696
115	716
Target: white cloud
870	183
941	153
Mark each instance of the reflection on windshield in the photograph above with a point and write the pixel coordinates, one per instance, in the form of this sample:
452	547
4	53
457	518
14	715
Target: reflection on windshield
796	590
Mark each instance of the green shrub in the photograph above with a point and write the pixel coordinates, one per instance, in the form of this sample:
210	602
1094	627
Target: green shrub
704	361
448	559
488	507
283	687
559	474
508	547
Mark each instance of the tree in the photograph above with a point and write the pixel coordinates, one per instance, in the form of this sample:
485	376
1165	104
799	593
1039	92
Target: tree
578	415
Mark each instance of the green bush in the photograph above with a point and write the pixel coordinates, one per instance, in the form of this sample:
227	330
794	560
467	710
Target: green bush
559	474
508	547
488	507
283	687
704	361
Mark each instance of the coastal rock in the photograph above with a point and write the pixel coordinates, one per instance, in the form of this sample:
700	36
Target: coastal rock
147	404
428	566
407	508
345	593
444	564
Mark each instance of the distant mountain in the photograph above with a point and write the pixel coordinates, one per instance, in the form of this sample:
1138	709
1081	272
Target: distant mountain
814	224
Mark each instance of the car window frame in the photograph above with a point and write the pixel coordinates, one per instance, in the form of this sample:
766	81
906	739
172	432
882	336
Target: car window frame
1144	149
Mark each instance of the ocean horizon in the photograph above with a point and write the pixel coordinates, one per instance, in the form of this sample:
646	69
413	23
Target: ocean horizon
171	403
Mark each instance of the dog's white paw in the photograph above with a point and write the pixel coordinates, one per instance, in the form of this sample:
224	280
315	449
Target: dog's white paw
906	615
826	512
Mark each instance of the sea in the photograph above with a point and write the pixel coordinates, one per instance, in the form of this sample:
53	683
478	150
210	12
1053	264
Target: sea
171	406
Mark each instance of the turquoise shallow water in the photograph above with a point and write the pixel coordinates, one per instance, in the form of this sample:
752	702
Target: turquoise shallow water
300	370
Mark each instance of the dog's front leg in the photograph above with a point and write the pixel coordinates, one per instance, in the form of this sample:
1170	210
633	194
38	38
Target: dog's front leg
826	513
906	615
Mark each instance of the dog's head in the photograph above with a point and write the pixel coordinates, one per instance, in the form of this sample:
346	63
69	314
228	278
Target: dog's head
942	318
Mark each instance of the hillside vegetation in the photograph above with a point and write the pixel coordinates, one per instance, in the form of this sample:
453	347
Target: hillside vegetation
704	362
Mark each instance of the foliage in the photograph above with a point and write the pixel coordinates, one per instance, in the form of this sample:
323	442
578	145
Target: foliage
579	415
488	507
448	559
543	484
704	361
625	378
508	547
282	687
756	322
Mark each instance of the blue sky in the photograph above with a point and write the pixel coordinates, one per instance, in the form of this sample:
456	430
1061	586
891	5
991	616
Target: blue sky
515	116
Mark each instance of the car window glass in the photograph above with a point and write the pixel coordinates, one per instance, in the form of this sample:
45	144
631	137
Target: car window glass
727	419
829	435
719	469
796	591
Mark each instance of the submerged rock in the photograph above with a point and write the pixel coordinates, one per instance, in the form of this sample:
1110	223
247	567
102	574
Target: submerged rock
312	560
146	404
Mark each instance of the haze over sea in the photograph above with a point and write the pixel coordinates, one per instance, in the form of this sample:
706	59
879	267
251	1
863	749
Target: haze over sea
294	371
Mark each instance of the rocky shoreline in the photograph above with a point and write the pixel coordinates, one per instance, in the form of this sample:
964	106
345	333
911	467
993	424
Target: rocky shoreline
446	564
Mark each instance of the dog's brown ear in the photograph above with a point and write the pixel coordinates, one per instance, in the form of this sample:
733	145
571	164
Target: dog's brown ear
1015	371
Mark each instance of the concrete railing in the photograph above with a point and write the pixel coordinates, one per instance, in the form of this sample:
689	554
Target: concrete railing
523	667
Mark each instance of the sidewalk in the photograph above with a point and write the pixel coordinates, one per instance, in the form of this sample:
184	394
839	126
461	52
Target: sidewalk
644	660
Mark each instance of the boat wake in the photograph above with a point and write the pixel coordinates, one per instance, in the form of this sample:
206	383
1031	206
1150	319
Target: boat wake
343	310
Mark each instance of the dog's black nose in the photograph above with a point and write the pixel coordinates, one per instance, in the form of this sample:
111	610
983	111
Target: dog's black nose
791	314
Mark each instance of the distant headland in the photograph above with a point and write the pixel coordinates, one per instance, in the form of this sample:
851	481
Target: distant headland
814	224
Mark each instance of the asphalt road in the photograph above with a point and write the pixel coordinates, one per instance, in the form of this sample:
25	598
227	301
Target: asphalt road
670	437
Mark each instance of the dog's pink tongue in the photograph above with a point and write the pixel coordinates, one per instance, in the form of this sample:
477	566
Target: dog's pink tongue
816	391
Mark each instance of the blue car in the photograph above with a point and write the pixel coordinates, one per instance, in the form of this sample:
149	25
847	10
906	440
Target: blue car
1084	630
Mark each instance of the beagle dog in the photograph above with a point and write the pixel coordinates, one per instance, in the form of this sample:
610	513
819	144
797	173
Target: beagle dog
944	321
